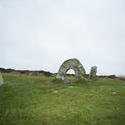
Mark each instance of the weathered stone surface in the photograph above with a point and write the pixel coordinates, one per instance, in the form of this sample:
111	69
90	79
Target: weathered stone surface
1	79
92	74
73	64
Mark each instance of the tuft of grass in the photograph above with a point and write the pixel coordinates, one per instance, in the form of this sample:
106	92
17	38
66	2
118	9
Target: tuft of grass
82	81
57	80
30	100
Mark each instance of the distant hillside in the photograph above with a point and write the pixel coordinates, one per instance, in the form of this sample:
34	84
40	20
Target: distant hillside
45	73
27	72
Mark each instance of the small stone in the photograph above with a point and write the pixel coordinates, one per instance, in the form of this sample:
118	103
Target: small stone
55	92
114	93
70	86
1	79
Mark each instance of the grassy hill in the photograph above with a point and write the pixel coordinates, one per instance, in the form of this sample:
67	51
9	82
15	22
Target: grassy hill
41	100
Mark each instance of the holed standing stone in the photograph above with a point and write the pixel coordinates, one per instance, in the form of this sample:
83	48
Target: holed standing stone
73	64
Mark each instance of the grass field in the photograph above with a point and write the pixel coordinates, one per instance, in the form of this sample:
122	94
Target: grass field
39	100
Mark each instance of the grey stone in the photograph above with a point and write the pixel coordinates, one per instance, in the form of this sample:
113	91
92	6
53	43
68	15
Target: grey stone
1	79
92	74
55	91
73	64
70	86
114	93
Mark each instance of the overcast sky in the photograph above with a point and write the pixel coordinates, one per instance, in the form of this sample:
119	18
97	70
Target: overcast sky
41	34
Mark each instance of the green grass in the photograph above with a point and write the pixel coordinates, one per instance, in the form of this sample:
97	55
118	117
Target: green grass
30	100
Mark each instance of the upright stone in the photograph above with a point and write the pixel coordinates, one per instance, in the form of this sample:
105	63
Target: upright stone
73	64
92	74
1	79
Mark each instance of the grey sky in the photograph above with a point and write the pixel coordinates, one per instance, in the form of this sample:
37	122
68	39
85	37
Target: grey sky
41	34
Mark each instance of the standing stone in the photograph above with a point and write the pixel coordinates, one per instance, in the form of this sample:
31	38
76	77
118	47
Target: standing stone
73	64
92	74
1	79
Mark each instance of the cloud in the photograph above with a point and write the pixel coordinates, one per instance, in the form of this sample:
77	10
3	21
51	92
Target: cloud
42	34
